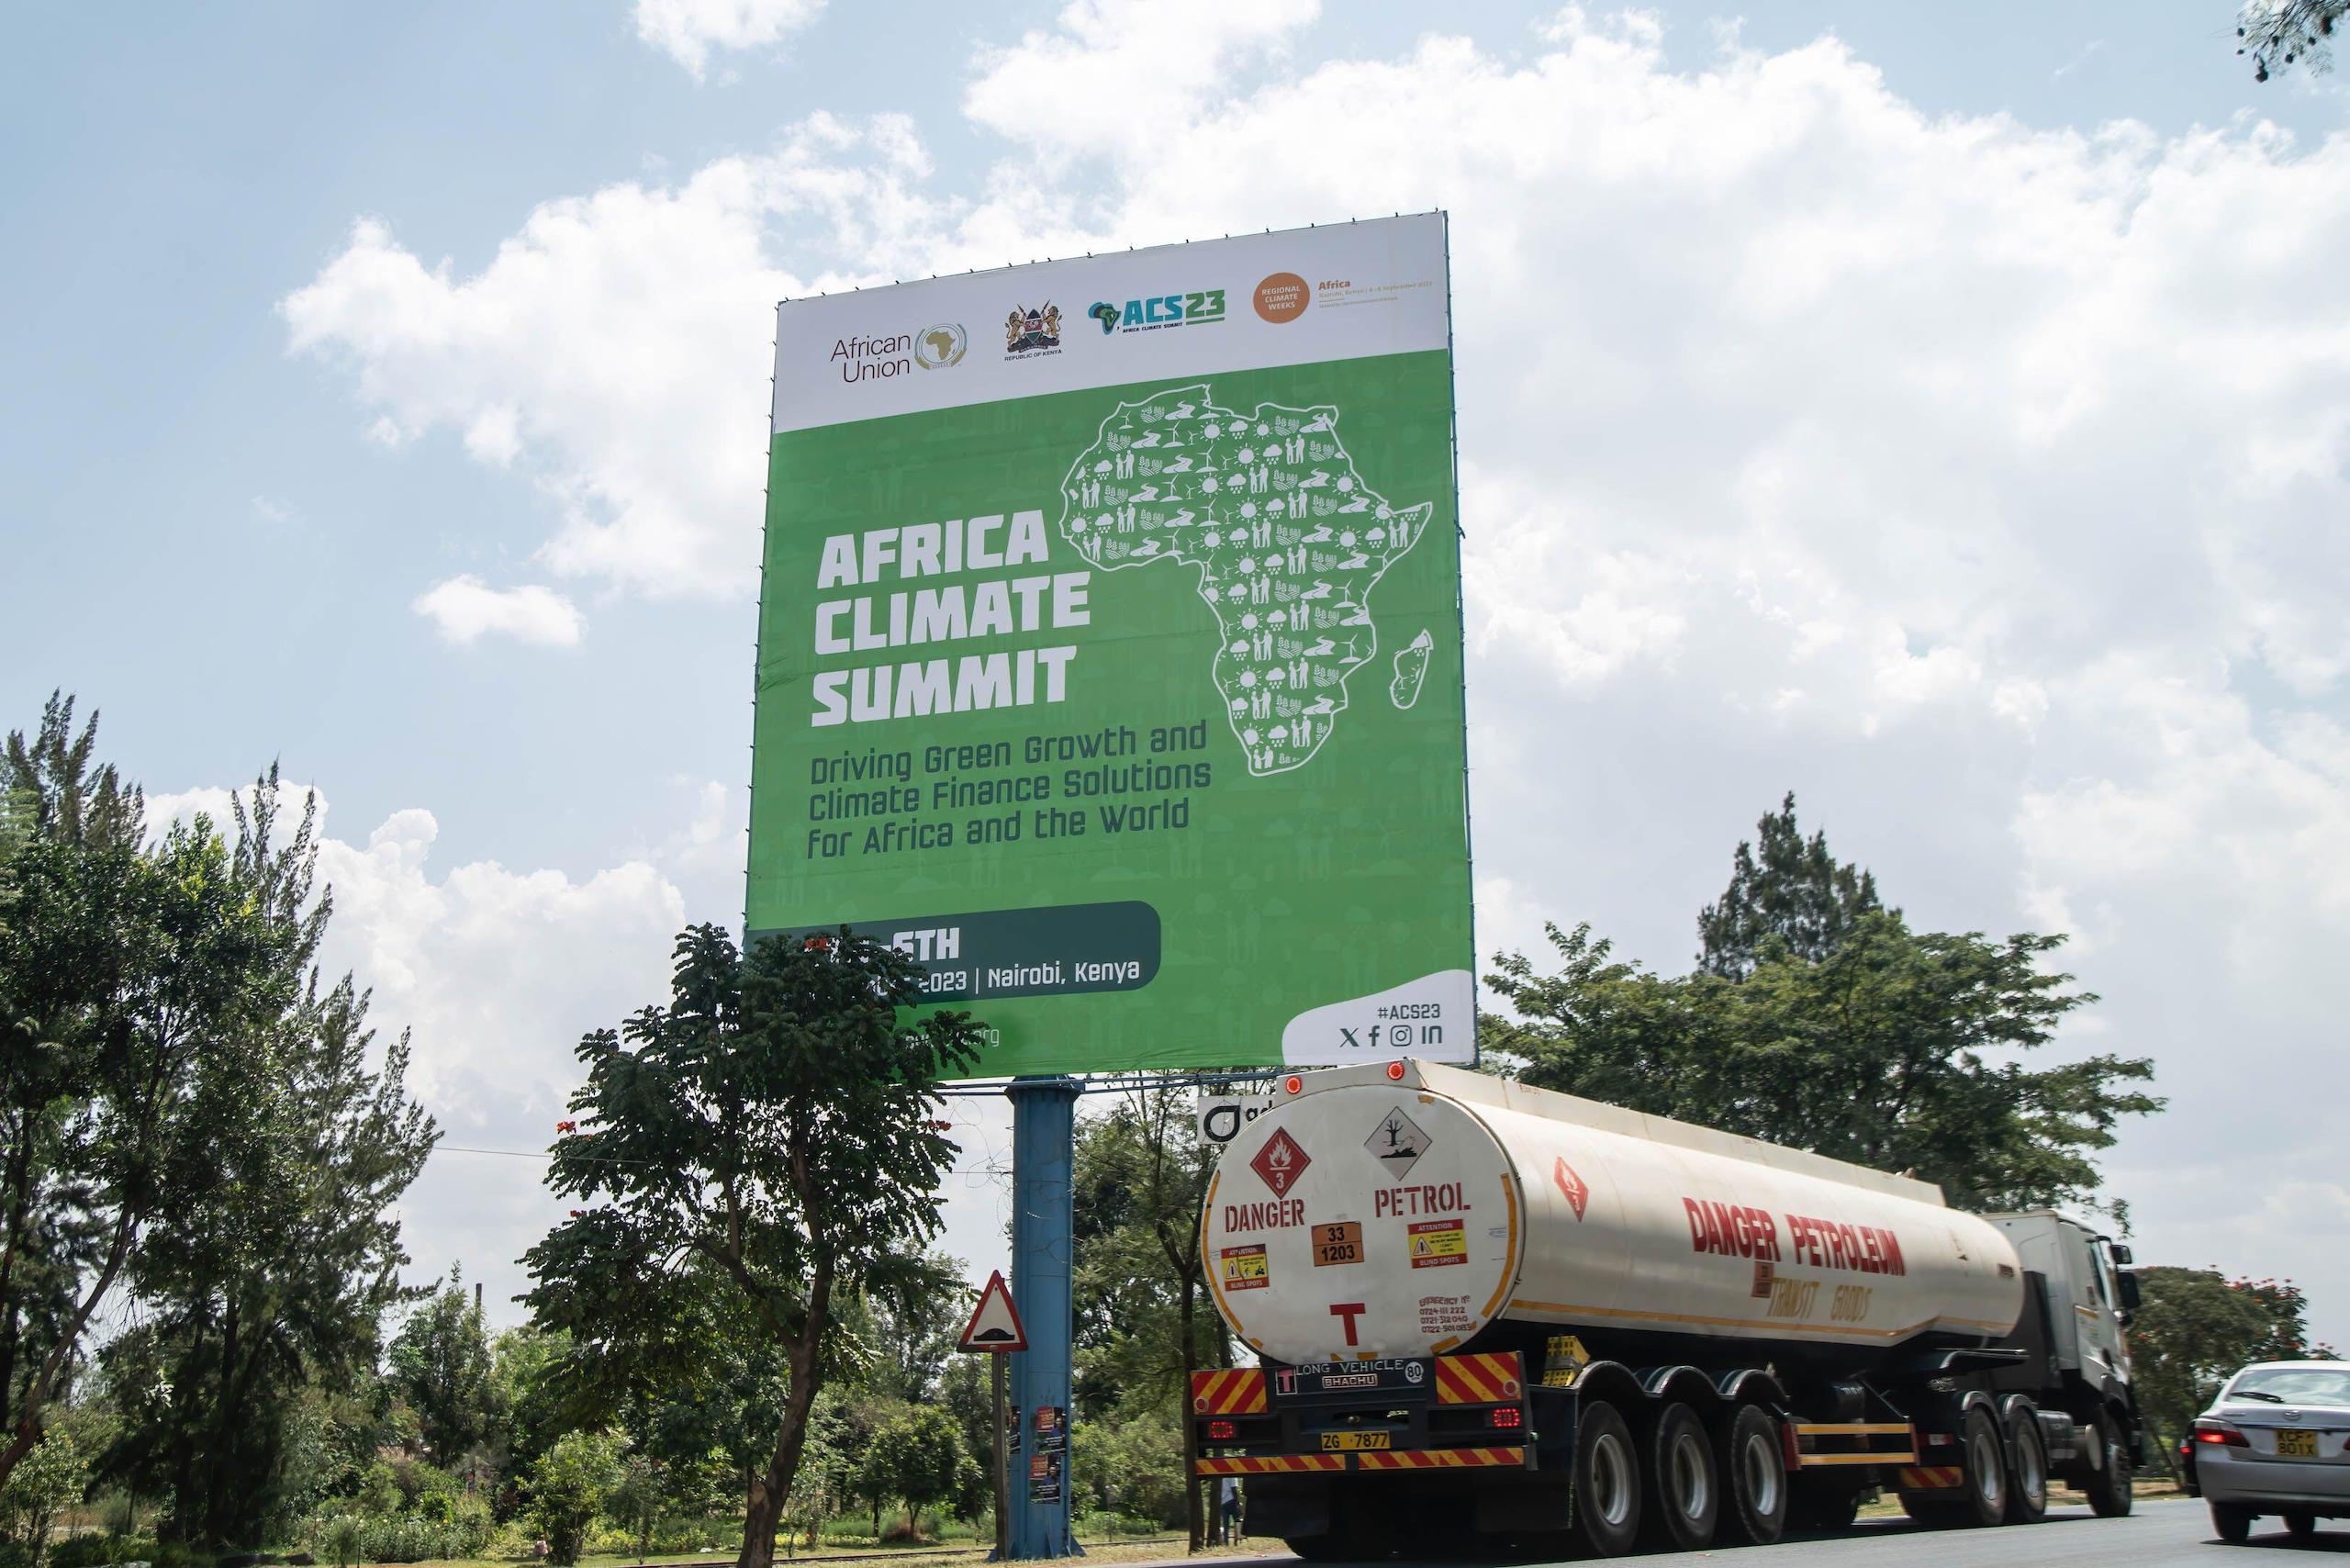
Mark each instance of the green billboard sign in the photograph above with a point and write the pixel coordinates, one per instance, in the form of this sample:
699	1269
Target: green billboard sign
1110	656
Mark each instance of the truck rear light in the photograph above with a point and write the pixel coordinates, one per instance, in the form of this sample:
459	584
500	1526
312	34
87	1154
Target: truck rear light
2226	1434
1223	1431
1395	1071
1293	1084
1509	1418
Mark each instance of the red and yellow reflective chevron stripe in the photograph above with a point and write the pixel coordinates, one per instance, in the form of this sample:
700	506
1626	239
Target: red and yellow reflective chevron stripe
1928	1477
1485	1379
1270	1464
1439	1458
1240	1392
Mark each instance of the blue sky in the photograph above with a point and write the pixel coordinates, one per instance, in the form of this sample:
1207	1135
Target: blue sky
1938	418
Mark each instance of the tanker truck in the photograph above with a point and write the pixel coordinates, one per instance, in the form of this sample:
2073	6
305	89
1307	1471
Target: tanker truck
1487	1316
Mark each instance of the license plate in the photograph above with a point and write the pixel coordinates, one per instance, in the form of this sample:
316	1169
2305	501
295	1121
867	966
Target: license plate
1348	1442
2295	1443
1341	1243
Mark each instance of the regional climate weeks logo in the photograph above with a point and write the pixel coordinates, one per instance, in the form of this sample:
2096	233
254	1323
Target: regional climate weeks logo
1154	312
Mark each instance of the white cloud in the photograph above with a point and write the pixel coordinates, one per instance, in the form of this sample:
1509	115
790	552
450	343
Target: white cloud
465	608
687	30
1117	74
1981	481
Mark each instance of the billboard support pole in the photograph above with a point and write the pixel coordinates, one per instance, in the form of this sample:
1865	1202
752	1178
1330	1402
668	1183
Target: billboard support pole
1043	1150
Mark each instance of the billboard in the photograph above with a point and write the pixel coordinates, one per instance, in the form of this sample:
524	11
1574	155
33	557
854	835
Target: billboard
1110	649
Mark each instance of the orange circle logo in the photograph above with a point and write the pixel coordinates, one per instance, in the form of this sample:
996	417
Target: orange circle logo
1283	297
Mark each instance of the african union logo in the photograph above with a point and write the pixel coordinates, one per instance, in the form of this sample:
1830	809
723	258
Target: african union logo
937	347
1030	331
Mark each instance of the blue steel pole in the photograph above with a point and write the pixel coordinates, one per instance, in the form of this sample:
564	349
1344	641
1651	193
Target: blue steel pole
1042	1146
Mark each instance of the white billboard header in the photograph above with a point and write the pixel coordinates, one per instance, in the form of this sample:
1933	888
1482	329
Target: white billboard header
1254	302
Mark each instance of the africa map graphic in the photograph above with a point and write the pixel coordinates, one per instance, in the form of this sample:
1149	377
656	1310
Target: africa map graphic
1287	539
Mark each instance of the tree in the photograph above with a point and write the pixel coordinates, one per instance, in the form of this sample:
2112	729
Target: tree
756	1149
2195	1327
280	1272
1895	1051
49	1479
569	1486
916	1458
1793	890
654	1488
441	1365
1143	1326
2278	33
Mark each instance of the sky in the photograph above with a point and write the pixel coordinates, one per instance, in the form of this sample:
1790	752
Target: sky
1939	411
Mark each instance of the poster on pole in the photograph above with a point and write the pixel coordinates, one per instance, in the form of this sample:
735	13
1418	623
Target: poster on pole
1110	650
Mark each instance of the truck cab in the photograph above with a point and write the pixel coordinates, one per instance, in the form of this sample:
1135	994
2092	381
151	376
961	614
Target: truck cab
2089	1293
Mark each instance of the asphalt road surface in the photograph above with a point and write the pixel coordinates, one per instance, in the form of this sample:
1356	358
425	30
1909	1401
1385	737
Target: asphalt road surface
2155	1535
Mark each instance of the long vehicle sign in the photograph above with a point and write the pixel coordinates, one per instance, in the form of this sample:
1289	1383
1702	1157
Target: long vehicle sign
1388	1377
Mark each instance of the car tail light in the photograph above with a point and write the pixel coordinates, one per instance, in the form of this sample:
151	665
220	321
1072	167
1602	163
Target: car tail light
1223	1431
2226	1434
1509	1418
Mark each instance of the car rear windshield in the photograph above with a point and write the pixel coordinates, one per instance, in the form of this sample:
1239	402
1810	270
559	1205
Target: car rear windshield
2294	1385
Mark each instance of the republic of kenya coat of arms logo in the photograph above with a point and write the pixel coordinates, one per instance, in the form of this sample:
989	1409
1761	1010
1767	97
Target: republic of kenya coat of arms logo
1026	331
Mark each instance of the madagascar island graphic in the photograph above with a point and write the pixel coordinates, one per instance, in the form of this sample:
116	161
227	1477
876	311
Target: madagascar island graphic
1288	541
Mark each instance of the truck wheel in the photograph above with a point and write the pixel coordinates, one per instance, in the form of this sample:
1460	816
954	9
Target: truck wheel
2111	1493
2231	1524
1607	1481
1983	1490
2027	1470
1684	1495
1753	1468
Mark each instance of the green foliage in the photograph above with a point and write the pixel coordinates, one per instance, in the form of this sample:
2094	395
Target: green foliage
654	1489
1876	1044
49	1480
1143	1324
187	1113
569	1486
747	1158
2195	1327
441	1365
918	1458
1793	890
2281	33
1132	1464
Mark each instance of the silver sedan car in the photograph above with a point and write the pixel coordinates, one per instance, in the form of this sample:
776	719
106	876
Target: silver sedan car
2277	1443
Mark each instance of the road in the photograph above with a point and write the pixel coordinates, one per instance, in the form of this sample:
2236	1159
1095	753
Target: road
2155	1535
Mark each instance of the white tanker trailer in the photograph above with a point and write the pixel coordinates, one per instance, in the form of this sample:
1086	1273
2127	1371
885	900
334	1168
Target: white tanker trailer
1486	1312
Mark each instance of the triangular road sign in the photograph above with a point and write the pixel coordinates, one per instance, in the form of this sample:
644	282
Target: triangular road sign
994	1327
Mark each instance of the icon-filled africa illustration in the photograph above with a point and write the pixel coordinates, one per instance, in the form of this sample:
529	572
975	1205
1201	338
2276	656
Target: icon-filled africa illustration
1287	539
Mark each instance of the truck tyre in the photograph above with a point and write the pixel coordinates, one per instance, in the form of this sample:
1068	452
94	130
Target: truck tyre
1607	1481
2027	1470
2300	1527
1983	1491
1684	1495
2231	1524
1753	1468
2110	1493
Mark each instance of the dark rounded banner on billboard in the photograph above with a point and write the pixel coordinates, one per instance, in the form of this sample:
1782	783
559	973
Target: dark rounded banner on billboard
1063	950
1135	629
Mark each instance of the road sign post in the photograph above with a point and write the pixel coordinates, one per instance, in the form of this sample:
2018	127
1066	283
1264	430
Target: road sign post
994	1330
